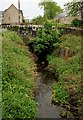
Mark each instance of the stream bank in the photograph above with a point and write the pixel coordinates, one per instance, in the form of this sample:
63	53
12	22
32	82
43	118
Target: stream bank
46	108
43	94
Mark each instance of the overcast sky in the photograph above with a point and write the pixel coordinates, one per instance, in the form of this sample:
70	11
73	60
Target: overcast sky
30	7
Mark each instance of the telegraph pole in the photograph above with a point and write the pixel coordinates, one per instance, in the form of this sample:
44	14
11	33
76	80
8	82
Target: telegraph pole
19	11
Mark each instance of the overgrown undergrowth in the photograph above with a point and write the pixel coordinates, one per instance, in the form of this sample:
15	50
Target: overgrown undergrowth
68	90
18	79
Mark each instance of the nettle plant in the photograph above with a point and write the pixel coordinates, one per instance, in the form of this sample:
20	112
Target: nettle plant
42	45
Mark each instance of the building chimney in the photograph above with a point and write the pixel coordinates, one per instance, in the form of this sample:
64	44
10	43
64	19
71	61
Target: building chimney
19	11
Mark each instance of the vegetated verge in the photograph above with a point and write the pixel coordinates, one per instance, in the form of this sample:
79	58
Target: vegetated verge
66	60
18	79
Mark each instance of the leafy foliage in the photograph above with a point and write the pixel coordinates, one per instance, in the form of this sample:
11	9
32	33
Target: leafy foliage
60	94
51	9
76	23
38	20
45	42
75	7
18	105
18	81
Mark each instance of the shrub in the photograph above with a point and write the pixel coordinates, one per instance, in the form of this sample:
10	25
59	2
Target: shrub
76	23
45	42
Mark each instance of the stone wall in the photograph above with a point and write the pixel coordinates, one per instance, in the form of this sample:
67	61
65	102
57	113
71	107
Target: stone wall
65	52
72	30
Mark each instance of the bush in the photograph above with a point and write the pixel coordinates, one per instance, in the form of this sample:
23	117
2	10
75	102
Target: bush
45	42
76	23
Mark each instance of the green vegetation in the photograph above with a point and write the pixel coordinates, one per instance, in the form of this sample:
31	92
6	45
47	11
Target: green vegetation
14	28
75	7
39	20
60	94
45	41
63	25
18	79
0	76
68	89
51	9
77	23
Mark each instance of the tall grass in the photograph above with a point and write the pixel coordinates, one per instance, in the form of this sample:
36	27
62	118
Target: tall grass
69	81
18	81
0	76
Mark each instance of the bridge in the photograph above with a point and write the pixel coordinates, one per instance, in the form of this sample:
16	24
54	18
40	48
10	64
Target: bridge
32	29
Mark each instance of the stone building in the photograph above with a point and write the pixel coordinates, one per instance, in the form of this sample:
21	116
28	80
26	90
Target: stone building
64	18
11	16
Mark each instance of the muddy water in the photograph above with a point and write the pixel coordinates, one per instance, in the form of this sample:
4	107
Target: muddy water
43	96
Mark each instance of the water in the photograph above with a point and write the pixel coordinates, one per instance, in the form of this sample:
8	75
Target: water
44	83
43	96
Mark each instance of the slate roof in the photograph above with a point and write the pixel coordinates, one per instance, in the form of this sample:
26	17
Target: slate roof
61	15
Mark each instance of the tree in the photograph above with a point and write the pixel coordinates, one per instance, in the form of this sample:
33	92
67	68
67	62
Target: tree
38	20
75	8
51	9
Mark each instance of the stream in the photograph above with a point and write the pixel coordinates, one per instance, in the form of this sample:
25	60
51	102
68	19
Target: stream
43	93
43	96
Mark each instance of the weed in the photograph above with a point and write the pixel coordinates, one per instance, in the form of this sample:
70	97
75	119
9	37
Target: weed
18	82
69	70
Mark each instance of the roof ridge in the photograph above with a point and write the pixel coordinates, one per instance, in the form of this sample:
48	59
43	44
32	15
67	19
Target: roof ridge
9	7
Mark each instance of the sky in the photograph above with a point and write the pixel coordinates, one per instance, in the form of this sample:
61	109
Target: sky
30	8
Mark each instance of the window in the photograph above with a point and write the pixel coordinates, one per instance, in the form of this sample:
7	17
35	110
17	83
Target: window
9	18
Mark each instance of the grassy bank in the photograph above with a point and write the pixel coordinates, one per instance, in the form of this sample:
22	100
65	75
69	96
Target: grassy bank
68	90
18	79
0	75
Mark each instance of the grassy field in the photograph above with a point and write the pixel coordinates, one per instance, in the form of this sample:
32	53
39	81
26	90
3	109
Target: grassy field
68	90
18	79
0	75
